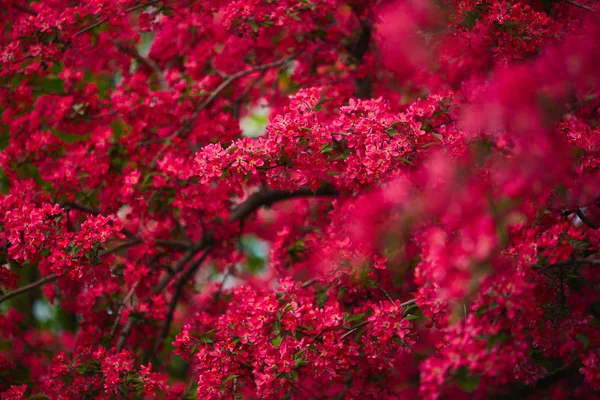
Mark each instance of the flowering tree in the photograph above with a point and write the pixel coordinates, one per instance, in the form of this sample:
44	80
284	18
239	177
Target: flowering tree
419	219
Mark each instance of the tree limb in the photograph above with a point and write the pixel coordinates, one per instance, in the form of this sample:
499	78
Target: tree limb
187	125
363	89
24	9
203	243
582	6
26	288
103	20
586	220
148	62
121	307
266	198
181	282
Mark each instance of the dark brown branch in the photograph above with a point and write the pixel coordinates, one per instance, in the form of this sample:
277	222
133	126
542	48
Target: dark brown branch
181	282
187	126
309	283
359	325
135	240
586	220
582	6
575	261
203	243
103	20
148	62
24	9
545	383
232	78
69	205
121	307
237	103
266	198
124	334
353	329
363	89
90	27
26	288
171	244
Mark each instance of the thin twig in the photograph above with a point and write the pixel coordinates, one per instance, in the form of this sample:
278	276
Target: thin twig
237	103
90	27
203	243
103	20
121	307
575	261
29	287
360	325
582	6
124	334
384	292
353	329
181	282
187	126
148	62
309	283
362	85
24	9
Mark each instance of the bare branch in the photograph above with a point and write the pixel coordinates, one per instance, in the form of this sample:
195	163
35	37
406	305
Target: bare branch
26	288
121	307
187	126
24	9
266	198
359	325
203	243
103	20
148	62
572	261
586	220
353	329
124	334
582	6
69	205
363	86
181	282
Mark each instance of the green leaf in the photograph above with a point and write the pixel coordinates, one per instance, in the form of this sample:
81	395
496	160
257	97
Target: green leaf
166	11
54	86
406	161
230	377
392	132
277	341
277	327
355	317
39	396
499	338
583	339
253	25
319	105
298	362
326	148
437	135
467	382
4	182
